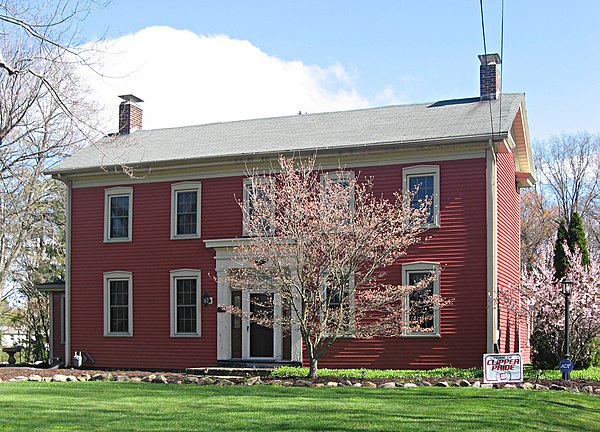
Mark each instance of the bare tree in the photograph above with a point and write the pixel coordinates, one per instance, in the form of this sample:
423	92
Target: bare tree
539	220
320	247
570	171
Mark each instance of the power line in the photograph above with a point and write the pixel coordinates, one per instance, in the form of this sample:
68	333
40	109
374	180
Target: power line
485	57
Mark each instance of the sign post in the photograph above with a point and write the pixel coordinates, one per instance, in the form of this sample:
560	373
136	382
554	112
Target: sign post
502	368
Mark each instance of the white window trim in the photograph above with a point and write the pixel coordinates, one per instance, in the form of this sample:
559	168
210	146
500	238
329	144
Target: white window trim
420	267
423	170
118	276
116	192
185	187
335	176
185	274
247	184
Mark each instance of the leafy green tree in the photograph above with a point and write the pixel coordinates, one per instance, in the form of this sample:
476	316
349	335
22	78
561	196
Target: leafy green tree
576	236
560	258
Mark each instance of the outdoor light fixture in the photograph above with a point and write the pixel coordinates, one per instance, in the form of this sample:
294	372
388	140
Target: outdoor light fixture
567	285
206	299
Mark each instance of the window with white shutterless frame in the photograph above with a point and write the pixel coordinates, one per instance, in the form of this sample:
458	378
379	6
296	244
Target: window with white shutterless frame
118	214
424	181
252	194
118	303
421	316
185	303
185	210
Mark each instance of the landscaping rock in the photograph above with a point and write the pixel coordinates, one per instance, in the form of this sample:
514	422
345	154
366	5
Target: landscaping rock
122	378
101	377
205	381
388	385
588	389
369	384
59	378
527	386
160	379
510	386
557	387
225	382
136	379
357	385
332	384
597	391
274	382
46	379
19	378
463	383
287	383
147	378
71	378
253	381
347	383
425	383
541	387
318	385
302	383
487	385
476	384
191	380
442	384
35	378
410	385
84	377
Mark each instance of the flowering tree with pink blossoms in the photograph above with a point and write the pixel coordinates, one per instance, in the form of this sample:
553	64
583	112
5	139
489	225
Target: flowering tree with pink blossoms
320	244
540	299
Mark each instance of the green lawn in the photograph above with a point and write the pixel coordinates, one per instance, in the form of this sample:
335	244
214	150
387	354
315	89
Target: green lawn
128	406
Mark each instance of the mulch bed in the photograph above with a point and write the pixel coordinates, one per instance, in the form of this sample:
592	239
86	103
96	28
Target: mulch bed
7	373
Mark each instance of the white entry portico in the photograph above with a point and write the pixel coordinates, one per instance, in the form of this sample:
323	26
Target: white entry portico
237	337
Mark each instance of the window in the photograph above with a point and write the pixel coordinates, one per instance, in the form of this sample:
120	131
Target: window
343	180
185	210
253	193
419	311
339	299
425	181
118	304
185	303
118	204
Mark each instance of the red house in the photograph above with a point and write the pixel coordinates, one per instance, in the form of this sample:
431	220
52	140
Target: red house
147	253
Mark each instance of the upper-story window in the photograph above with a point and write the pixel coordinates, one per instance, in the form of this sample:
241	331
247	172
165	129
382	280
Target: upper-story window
421	315
118	214
344	181
254	195
185	210
424	180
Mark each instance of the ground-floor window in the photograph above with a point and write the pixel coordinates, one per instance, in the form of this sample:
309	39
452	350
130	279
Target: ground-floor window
185	303
118	304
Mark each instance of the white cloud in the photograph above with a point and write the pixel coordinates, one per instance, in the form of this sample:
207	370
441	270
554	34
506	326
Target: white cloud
185	79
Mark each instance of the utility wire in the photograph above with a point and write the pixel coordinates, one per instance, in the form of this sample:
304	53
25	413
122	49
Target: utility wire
485	54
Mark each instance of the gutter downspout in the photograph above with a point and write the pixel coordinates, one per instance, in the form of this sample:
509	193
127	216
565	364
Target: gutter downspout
67	310
492	239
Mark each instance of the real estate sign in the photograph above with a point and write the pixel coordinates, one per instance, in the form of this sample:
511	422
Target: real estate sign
502	368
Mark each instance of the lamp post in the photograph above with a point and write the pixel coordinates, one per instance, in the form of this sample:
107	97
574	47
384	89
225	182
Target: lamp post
567	285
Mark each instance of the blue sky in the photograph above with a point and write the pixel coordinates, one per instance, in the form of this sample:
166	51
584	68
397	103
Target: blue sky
369	53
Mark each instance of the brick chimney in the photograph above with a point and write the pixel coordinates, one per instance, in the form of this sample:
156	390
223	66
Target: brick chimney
130	114
489	76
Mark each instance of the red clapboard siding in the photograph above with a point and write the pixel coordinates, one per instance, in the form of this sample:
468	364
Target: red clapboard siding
513	331
459	246
150	257
58	347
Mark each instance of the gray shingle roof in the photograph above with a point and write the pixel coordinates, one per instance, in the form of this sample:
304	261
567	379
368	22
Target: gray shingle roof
452	119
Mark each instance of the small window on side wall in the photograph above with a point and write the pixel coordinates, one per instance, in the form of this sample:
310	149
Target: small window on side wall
421	316
424	181
185	210
254	196
185	303
118	214
118	310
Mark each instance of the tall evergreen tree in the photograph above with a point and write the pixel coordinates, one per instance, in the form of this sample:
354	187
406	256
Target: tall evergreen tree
560	258
576	236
